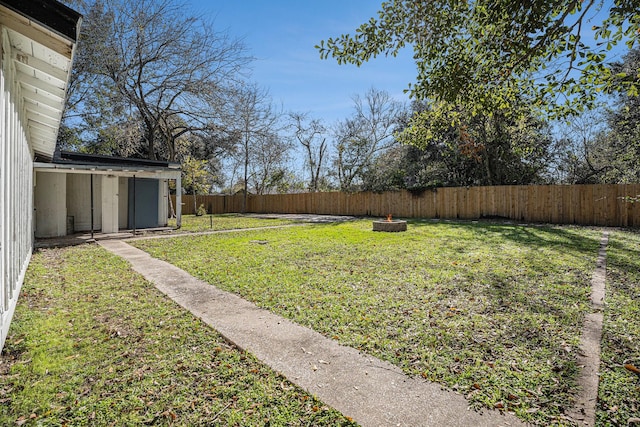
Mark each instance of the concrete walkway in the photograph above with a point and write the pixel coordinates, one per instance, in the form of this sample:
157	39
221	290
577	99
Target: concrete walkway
584	410
372	392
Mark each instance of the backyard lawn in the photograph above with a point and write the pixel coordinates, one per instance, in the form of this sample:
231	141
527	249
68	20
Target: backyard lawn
619	392
493	311
193	223
92	343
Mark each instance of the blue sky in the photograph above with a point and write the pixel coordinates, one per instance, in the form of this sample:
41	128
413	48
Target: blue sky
281	35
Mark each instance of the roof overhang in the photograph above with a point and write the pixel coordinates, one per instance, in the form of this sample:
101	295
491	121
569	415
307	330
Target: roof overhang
39	40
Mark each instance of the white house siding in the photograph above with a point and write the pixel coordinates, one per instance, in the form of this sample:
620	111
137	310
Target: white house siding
16	191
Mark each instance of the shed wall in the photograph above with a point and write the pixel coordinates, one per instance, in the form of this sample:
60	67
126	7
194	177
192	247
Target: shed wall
123	205
109	200
51	206
79	201
163	202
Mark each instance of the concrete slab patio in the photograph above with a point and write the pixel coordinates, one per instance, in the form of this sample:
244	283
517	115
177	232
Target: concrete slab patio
372	392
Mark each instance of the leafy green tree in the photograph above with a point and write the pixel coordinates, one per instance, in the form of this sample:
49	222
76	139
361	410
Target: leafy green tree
195	178
481	149
484	54
268	163
389	170
444	145
624	121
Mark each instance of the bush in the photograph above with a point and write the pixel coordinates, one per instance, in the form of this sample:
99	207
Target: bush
201	210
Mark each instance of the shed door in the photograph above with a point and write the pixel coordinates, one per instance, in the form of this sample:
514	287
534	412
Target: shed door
145	200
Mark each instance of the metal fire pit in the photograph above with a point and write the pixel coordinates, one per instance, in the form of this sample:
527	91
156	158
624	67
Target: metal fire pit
390	226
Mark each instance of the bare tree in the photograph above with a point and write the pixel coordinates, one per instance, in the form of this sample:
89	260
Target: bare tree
253	119
150	60
268	162
359	138
583	153
311	135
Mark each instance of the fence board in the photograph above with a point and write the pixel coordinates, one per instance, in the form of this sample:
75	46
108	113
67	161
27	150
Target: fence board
598	204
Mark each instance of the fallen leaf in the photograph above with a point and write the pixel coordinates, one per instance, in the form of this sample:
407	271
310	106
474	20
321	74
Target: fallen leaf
169	414
632	368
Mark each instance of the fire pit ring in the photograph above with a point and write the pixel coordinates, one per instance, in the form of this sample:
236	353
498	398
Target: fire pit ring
390	226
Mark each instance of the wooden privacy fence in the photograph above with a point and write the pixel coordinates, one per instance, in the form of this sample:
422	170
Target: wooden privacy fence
600	204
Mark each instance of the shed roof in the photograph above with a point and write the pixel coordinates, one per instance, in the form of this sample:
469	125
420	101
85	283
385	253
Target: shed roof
39	39
70	162
70	157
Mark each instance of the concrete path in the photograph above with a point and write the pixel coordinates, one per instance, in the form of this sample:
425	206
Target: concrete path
372	392
584	410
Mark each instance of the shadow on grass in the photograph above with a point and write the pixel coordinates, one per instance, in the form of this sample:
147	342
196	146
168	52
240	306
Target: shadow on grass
529	235
626	255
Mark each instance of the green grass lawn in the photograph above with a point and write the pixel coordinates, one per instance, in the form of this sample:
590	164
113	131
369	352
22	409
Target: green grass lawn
619	391
92	343
492	311
192	223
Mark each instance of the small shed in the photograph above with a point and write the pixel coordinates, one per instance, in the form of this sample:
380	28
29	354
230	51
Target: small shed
78	192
